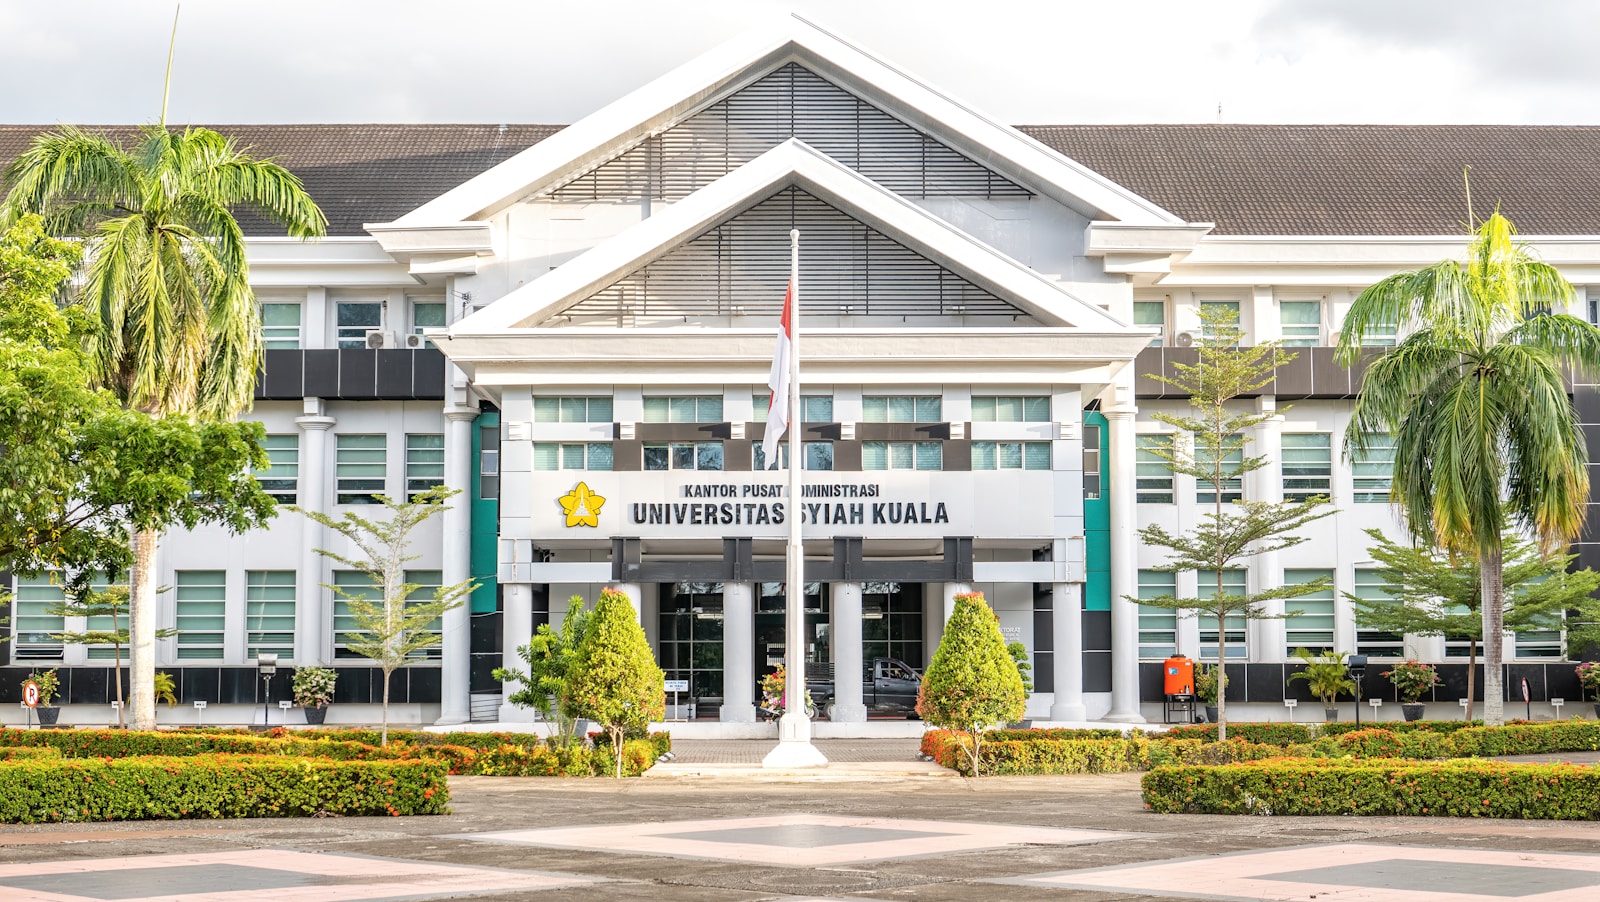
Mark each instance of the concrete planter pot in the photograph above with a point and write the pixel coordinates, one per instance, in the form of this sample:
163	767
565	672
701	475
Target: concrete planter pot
49	716
1331	715
1211	713
1412	711
316	715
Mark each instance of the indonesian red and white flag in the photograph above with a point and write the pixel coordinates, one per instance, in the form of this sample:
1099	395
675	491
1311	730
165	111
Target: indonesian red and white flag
778	381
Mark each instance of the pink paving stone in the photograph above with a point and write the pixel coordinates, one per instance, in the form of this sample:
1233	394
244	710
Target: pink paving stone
797	840
348	878
1350	872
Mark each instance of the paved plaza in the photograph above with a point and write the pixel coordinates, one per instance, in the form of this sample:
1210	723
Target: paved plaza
734	838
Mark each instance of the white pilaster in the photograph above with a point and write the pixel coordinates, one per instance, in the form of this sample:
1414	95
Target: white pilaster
456	648
516	628
848	705
932	620
635	593
738	652
1066	617
951	590
313	615
1267	572
1124	565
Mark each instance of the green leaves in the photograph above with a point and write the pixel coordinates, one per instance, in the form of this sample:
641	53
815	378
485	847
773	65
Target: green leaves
551	656
615	680
972	684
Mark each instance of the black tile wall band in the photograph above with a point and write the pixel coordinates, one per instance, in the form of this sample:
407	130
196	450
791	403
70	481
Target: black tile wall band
355	374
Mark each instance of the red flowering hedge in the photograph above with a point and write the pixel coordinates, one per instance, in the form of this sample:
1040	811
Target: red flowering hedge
1041	752
1312	786
18	753
216	786
183	743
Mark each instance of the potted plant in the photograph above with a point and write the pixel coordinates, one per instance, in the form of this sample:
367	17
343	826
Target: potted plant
1206	689
49	684
1328	677
1411	680
1589	678
313	691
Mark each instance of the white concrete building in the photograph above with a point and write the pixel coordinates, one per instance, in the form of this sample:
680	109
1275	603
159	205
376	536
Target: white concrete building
978	307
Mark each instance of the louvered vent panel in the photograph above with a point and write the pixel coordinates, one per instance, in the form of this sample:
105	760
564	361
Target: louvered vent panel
742	267
791	102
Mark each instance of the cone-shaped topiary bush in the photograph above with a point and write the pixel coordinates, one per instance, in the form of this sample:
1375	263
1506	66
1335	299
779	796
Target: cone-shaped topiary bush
616	682
972	684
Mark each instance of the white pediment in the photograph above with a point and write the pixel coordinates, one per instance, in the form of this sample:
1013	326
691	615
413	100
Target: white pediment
614	130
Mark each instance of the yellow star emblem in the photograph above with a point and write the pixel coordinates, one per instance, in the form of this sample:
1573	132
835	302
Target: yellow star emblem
582	506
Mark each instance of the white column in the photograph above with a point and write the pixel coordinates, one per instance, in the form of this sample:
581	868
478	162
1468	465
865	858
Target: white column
738	653
1271	634
951	590
1124	568
516	628
313	616
1066	619
848	706
932	620
635	593
456	680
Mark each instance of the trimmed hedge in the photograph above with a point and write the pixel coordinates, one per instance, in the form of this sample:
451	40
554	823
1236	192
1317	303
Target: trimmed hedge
1396	726
1295	786
1280	734
128	743
216	786
1528	738
24	752
1053	756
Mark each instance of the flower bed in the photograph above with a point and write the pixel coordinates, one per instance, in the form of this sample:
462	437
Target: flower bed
1297	786
1281	734
24	752
1014	752
216	786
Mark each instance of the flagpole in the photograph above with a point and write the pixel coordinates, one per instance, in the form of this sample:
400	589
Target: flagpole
794	747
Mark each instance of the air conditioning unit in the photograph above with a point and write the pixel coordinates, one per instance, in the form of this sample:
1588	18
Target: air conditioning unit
415	341
379	339
1187	338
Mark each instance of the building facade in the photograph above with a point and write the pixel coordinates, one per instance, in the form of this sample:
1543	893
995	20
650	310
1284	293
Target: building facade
573	328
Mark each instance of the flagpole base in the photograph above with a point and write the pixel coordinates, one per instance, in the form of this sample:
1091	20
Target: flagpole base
794	749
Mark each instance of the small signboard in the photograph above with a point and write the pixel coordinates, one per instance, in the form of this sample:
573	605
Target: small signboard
30	694
677	685
285	705
1526	696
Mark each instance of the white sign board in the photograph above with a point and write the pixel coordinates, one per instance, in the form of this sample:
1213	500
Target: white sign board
677	685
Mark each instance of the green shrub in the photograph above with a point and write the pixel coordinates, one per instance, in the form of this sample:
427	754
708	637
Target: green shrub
1397	726
1280	734
1300	787
1528	738
126	743
23	752
1371	743
971	685
216	786
614	679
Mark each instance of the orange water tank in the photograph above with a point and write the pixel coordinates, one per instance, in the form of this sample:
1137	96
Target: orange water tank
1178	676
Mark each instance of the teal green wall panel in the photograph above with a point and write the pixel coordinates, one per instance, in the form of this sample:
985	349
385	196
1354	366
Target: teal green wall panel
1097	527
485	563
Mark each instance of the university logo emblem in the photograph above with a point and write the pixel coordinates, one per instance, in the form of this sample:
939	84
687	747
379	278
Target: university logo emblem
581	506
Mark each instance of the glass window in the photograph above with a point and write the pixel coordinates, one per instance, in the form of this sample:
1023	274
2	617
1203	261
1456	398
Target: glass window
1010	455
361	586
1312	628
813	408
571	410
819	456
1301	322
1152	313
683	456
1541	643
269	613
1034	409
280	326
34	627
1158	627
1372	469
1232	584
355	320
424	462
901	409
361	464
1380	335
572	455
489	461
902	456
1371	586
281	477
1232	458
683	409
1091	462
1231	308
1152	475
201	605
1307	465
428	315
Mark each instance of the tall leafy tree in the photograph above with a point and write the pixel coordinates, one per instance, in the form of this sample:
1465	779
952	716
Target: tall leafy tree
972	683
1431	592
176	325
551	656
615	680
392	628
1486	438
1232	531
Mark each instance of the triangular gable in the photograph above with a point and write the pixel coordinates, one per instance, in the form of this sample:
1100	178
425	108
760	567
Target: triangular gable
791	164
617	128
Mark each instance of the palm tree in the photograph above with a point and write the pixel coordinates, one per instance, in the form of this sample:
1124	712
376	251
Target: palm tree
177	327
1485	435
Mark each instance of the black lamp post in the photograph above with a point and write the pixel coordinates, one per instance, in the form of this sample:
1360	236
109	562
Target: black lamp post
266	665
1358	669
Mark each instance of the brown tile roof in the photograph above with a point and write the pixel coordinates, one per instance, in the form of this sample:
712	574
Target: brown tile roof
1248	179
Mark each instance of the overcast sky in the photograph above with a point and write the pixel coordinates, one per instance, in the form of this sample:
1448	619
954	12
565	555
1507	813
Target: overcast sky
1044	61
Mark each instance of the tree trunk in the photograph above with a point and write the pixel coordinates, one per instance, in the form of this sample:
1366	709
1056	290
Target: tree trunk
1472	676
1494	624
385	735
116	676
142	629
617	741
1222	680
